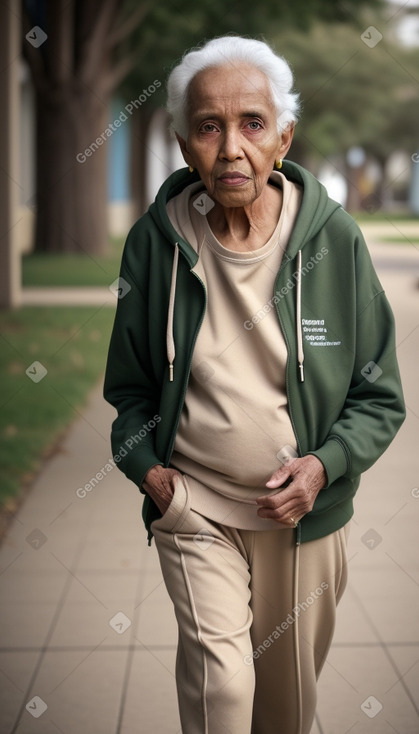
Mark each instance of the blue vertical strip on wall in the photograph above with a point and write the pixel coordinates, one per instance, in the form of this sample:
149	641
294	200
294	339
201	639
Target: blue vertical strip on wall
118	155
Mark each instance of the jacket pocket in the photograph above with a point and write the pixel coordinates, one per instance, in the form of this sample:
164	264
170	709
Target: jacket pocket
177	510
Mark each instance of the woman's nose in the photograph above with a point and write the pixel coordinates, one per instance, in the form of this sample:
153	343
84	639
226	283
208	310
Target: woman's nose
230	148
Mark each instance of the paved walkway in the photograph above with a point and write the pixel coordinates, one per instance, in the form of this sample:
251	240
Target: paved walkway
88	635
68	296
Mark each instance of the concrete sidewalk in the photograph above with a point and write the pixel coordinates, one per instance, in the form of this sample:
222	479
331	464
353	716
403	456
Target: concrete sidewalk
68	296
88	635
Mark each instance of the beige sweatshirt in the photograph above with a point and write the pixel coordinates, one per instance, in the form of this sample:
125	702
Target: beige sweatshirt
235	429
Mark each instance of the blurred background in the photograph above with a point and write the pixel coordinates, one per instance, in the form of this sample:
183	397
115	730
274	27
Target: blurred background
85	145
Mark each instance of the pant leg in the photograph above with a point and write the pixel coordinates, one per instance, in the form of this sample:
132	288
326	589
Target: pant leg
207	577
295	590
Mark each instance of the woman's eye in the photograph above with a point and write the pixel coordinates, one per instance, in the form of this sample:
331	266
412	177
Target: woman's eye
208	127
254	125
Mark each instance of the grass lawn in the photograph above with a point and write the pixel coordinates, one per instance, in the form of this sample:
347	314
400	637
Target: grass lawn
71	343
401	240
73	270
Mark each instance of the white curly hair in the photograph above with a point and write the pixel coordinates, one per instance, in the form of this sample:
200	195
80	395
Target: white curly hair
222	51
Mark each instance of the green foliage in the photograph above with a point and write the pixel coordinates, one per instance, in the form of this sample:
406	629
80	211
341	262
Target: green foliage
171	27
352	94
72	345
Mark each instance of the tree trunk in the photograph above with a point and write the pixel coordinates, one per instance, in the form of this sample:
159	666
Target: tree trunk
71	191
381	191
140	127
353	199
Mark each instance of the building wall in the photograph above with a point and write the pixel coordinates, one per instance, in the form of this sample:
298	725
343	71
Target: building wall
120	214
26	163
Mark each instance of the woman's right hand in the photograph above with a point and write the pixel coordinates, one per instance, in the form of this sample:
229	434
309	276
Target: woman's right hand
159	484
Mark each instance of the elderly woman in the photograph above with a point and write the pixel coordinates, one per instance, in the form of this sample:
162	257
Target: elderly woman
253	368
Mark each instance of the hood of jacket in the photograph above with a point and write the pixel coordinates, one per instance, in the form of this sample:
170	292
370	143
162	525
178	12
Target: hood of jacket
316	208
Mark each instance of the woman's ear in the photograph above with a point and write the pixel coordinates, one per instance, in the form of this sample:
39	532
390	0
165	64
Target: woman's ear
184	150
286	140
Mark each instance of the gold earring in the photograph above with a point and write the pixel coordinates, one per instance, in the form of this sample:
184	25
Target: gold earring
278	164
191	169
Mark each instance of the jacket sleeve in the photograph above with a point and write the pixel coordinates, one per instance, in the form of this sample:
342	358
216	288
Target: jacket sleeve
130	385
374	407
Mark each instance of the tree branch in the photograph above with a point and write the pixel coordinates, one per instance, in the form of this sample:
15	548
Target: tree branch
96	27
32	55
61	21
119	72
129	25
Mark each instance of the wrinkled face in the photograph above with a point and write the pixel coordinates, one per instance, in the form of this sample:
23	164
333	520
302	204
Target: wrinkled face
233	140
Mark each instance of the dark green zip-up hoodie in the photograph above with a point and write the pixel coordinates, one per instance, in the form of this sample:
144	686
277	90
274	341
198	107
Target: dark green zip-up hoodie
344	393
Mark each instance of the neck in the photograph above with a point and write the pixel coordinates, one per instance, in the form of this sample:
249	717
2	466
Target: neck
249	227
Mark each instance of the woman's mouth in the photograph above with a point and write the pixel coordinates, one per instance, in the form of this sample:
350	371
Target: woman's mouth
233	178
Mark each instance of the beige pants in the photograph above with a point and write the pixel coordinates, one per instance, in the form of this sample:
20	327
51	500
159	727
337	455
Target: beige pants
256	615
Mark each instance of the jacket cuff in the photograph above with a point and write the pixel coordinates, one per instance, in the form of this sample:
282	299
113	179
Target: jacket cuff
138	464
334	458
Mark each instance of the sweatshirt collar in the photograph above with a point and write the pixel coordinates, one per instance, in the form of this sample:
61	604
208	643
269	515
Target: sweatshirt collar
316	208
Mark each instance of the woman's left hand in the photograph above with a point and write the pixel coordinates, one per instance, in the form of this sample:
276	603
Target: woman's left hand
292	503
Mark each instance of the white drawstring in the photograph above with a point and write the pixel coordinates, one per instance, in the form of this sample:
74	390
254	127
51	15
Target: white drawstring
300	346
170	342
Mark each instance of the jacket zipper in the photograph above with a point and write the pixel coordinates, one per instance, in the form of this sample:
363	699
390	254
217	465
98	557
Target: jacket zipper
287	369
